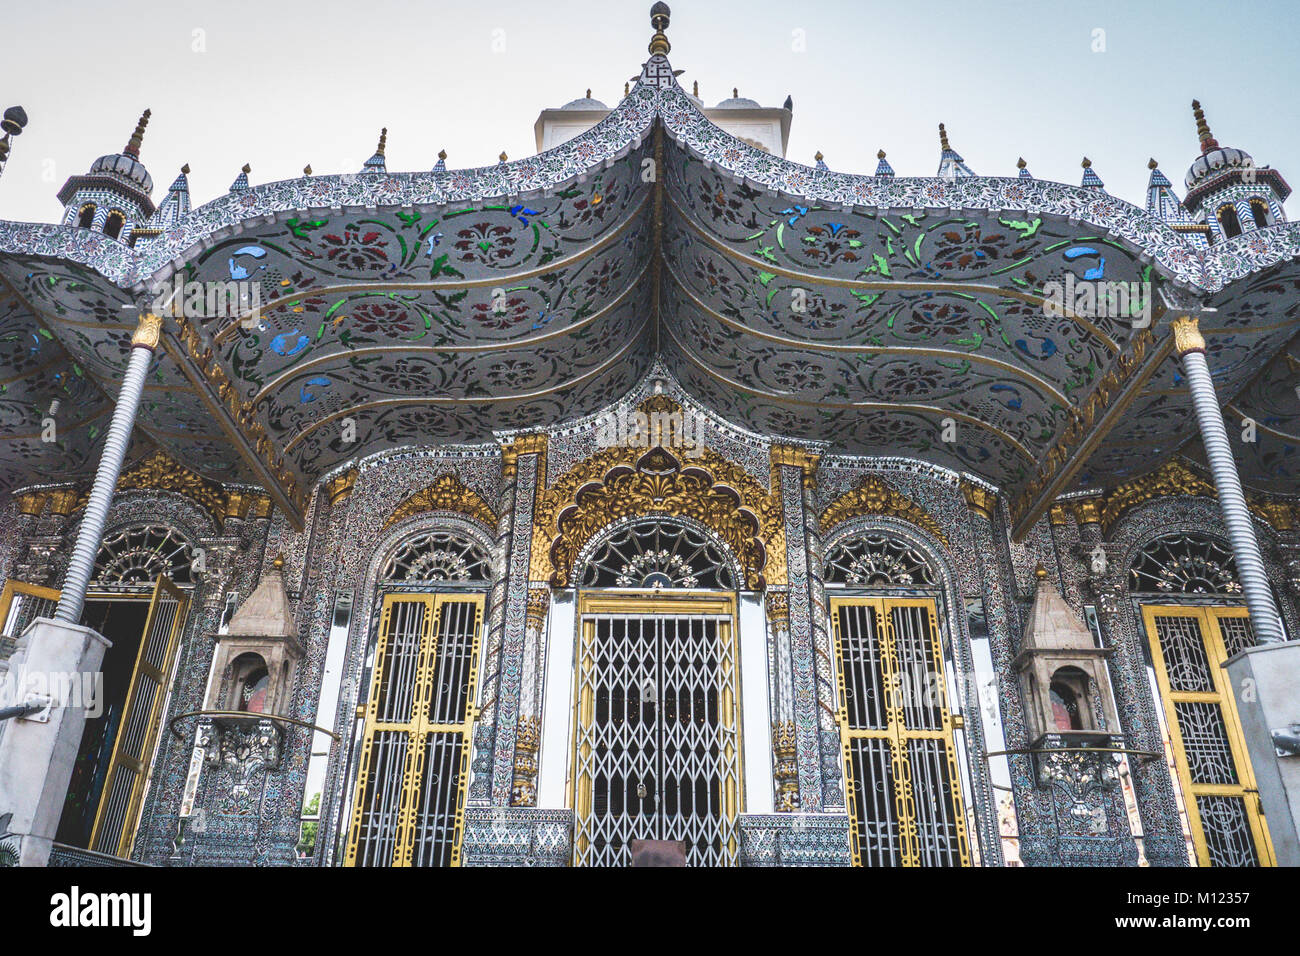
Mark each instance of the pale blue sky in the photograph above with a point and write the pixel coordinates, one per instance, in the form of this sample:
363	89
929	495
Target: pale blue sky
280	84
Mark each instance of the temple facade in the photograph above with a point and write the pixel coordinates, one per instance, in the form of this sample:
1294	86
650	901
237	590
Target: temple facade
653	498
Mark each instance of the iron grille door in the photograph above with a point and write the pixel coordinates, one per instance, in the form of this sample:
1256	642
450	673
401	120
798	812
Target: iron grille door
1188	647
656	743
904	789
409	808
119	807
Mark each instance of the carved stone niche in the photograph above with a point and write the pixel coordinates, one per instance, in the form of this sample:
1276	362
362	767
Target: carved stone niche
1068	702
253	667
1063	678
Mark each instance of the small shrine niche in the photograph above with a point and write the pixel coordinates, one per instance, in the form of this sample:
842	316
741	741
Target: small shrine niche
1063	677
254	662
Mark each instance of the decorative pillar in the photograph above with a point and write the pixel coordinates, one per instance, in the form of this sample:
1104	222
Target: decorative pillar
784	741
1232	502
528	740
794	467
496	730
82	563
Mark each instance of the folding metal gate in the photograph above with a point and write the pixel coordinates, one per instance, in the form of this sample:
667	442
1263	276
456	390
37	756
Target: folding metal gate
657	749
410	796
904	788
1188	646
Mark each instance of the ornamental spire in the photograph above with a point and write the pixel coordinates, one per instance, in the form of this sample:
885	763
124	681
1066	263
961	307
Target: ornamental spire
132	147
821	160
241	181
882	165
377	163
1208	142
1090	177
1024	168
951	165
659	14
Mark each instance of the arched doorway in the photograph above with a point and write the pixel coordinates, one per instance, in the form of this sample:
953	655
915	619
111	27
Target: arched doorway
422	674
657	749
904	785
1189	601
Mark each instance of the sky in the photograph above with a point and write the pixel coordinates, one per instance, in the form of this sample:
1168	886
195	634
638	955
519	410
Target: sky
283	83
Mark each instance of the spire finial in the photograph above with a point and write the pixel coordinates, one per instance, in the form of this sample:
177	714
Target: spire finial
1040	572
1151	163
503	157
1020	163
133	144
1087	163
306	170
627	88
1208	142
695	90
735	93
943	138
247	169
589	92
383	142
442	154
880	154
278	563
659	14
185	170
818	156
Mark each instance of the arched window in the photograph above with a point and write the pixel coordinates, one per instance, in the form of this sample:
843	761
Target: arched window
878	559
1259	210
251	683
1069	692
658	553
113	225
1228	220
435	556
135	556
87	218
1184	563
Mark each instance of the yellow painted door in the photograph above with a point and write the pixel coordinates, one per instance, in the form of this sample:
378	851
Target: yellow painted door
1188	647
904	789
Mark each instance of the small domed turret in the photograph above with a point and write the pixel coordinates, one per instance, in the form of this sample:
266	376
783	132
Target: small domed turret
113	196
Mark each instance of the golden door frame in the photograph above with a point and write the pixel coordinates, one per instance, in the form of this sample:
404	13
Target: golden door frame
1207	618
642	603
419	724
895	731
161	673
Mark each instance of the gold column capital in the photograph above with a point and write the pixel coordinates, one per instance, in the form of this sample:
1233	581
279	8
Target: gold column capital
1187	335
1058	515
979	500
1088	511
147	332
340	486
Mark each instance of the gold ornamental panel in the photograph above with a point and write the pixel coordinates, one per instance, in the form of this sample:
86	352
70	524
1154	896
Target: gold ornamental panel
446	493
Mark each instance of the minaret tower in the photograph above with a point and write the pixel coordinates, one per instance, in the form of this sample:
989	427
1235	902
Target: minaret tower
1226	190
114	195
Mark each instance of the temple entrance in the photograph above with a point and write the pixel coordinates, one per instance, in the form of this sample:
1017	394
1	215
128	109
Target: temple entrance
657	747
1184	584
1188	648
656	740
904	788
415	743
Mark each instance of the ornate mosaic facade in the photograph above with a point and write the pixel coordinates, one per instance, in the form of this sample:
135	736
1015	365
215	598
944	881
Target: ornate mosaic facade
653	365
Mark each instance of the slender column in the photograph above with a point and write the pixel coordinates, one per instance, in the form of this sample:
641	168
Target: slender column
91	533
1232	502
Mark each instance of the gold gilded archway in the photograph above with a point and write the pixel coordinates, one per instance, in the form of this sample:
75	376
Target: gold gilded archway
623	482
445	493
872	496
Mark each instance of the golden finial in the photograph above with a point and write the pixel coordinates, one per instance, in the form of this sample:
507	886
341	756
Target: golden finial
818	156
627	88
306	170
247	169
1151	163
1087	163
1040	572
880	154
383	141
1020	163
503	157
185	170
589	92
659	14
133	144
735	93
278	563
1208	142
943	138
442	154
695	89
